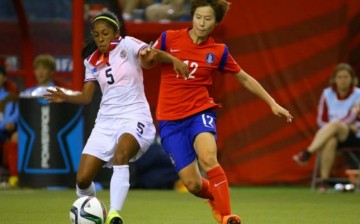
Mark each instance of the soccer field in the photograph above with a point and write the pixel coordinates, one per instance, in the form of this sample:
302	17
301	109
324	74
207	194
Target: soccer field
256	205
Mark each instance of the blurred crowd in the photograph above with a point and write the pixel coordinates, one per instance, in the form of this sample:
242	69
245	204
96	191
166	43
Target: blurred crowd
155	10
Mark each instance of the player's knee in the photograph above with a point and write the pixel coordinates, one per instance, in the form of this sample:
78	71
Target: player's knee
208	162
82	182
193	186
121	157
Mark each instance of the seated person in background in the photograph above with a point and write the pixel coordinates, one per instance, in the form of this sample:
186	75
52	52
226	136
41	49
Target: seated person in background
8	120
337	118
44	69
167	10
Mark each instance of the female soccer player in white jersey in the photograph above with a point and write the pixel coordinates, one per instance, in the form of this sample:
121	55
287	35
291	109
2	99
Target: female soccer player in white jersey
124	129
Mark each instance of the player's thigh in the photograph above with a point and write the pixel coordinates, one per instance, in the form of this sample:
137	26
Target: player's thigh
206	149
134	139
89	167
126	148
177	144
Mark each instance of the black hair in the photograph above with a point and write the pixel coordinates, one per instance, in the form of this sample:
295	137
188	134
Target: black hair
220	7
111	19
2	70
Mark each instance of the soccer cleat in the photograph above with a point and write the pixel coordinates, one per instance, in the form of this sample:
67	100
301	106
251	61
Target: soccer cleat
114	218
231	219
302	158
216	214
13	181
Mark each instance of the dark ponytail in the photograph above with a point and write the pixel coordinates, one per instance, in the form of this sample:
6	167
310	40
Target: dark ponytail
89	48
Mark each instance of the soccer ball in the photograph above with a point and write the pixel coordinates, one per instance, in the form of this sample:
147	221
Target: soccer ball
88	210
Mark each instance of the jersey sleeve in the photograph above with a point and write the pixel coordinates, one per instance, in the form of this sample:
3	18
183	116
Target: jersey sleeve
227	63
322	116
90	72
135	45
160	43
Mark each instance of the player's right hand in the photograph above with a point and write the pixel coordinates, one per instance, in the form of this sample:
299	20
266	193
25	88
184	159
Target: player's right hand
55	96
180	68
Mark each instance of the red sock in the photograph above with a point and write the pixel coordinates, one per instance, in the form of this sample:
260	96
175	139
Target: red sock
205	190
11	149
220	190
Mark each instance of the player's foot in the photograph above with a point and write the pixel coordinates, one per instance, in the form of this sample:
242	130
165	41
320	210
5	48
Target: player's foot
231	219
114	218
216	214
302	158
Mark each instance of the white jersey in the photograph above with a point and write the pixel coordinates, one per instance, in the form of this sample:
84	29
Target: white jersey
121	81
332	107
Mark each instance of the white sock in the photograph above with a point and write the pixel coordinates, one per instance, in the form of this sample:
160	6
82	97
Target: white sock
90	191
119	186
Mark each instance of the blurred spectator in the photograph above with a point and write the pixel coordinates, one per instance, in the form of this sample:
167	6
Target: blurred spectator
44	69
155	10
8	121
9	85
168	10
338	121
134	9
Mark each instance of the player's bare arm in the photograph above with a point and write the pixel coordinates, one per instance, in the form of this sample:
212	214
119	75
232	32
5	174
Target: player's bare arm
59	96
148	57
254	86
180	68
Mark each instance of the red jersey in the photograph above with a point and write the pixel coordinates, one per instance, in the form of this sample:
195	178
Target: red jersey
179	98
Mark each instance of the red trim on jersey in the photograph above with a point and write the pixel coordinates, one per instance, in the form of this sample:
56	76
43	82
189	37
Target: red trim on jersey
325	115
143	47
334	87
97	58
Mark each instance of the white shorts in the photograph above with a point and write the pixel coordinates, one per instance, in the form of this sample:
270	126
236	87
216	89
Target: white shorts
106	132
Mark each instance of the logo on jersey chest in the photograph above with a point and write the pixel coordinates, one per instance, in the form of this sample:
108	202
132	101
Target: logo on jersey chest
210	58
123	54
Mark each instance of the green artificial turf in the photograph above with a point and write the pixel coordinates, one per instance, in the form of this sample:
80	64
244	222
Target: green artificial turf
256	205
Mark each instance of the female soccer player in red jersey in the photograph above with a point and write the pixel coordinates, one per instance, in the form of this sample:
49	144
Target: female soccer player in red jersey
124	129
185	109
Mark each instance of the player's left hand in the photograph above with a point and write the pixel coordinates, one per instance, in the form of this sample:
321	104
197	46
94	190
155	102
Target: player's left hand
280	111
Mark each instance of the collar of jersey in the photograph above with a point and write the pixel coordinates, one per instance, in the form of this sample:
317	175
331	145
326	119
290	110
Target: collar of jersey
98	58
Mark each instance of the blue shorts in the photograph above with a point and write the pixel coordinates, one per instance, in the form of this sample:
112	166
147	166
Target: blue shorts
177	137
